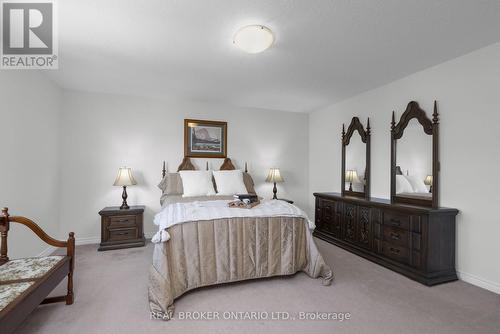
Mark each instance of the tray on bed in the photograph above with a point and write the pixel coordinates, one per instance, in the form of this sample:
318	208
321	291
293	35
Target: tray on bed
242	205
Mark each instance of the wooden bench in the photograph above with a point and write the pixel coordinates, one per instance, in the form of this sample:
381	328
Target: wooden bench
26	283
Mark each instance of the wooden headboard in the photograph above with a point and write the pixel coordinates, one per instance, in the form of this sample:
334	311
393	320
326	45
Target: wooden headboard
227	165
186	164
399	171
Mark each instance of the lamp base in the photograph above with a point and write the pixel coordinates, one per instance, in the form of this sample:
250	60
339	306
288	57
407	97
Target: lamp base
124	197
275	191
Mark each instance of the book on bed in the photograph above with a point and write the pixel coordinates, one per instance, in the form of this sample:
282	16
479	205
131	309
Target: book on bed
250	197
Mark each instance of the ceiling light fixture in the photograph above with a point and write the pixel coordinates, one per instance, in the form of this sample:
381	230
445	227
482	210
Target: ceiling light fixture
253	38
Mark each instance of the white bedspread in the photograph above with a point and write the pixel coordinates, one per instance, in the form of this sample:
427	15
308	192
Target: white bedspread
178	213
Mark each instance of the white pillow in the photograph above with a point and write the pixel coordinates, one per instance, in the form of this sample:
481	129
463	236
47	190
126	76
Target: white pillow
417	184
197	183
402	185
229	182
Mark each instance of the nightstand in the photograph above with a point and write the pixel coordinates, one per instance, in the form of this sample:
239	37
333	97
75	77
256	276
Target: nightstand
121	228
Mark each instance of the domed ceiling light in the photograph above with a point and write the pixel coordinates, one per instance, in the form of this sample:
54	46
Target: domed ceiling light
253	38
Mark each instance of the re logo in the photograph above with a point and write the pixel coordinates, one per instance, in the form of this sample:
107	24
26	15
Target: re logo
28	35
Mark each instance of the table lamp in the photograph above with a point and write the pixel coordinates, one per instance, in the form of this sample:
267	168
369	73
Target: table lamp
428	181
351	176
124	179
274	176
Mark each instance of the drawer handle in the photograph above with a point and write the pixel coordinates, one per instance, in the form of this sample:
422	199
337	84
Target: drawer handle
395	236
394	250
122	233
395	222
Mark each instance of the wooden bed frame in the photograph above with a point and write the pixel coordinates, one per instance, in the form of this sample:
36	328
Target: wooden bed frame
19	309
186	164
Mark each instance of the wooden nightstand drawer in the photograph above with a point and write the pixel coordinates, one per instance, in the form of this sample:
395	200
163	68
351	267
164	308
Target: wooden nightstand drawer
122	221
121	234
121	228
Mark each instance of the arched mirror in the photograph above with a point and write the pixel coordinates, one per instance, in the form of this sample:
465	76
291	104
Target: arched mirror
414	157
356	159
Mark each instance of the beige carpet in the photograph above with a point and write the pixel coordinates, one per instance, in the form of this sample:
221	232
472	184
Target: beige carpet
111	297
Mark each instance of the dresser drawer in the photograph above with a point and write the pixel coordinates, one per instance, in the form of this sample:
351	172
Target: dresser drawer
396	236
122	221
123	234
396	219
328	207
398	253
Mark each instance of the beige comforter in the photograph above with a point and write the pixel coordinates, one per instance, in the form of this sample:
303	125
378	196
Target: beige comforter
228	250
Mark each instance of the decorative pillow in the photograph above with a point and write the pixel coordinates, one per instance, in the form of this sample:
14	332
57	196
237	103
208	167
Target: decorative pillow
417	184
171	184
402	185
230	182
197	183
247	179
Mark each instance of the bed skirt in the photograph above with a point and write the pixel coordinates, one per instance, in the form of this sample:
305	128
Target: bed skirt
228	250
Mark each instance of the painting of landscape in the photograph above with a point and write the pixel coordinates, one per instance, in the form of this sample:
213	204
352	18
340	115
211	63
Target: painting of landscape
205	138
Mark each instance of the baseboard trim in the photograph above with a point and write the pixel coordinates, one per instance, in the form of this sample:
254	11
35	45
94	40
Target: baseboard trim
84	241
87	240
96	240
480	282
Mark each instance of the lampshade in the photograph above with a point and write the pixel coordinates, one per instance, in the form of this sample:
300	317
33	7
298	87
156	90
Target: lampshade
351	176
428	180
274	175
124	177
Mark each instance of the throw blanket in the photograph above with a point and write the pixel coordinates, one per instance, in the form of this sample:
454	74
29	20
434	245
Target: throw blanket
178	213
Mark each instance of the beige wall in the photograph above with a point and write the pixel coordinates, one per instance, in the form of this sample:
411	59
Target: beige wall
467	92
102	132
29	158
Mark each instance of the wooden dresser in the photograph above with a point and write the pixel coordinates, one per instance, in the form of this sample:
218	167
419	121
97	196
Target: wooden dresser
121	228
418	242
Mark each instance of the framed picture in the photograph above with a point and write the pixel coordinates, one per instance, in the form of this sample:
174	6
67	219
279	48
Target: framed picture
205	139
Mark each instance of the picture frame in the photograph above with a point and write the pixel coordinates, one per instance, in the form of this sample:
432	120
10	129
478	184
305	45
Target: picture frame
205	139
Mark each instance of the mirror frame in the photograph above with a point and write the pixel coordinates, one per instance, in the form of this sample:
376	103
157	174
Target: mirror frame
365	138
431	128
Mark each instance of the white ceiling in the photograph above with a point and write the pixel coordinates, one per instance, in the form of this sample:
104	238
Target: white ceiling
325	50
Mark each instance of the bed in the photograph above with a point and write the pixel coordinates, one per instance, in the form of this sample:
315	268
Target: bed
201	242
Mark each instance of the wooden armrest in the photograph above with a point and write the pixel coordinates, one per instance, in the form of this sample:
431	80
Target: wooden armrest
5	220
38	231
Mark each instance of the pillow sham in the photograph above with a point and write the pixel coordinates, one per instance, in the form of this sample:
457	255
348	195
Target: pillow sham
402	185
417	184
171	184
197	183
247	179
229	182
